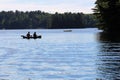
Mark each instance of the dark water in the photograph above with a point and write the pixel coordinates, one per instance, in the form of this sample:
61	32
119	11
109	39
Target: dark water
83	54
108	64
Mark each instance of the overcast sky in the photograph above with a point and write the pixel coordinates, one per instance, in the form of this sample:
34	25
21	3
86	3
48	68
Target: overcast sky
50	6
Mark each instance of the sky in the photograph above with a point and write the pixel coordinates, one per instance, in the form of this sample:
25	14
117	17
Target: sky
50	6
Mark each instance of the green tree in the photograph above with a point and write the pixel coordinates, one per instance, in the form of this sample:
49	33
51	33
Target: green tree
38	19
108	14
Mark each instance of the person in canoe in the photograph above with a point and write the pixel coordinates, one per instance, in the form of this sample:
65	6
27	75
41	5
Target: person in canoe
28	35
34	35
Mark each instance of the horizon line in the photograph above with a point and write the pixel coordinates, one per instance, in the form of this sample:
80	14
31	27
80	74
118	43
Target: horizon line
47	11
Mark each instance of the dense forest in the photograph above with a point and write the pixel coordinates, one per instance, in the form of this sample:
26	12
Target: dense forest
39	19
108	15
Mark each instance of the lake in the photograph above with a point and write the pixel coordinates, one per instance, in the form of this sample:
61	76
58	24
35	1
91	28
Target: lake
82	54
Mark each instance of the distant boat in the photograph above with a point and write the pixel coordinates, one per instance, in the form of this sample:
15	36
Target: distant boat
25	37
67	30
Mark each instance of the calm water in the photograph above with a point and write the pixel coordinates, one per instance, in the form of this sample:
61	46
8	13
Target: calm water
82	54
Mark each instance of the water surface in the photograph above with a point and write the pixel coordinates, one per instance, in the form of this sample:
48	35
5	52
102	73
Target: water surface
77	55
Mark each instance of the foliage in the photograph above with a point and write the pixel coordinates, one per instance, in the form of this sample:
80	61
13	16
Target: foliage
38	19
108	14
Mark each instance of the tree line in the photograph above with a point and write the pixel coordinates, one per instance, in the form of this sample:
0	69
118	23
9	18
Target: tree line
108	15
39	19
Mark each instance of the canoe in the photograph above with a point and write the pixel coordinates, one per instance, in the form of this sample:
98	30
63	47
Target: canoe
25	37
67	30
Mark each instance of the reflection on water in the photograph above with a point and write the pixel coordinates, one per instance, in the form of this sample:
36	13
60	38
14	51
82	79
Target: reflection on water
109	37
108	63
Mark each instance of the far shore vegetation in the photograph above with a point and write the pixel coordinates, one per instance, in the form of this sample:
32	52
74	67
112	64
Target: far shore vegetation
43	20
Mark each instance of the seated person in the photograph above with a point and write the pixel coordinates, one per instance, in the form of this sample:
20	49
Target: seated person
28	35
34	35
